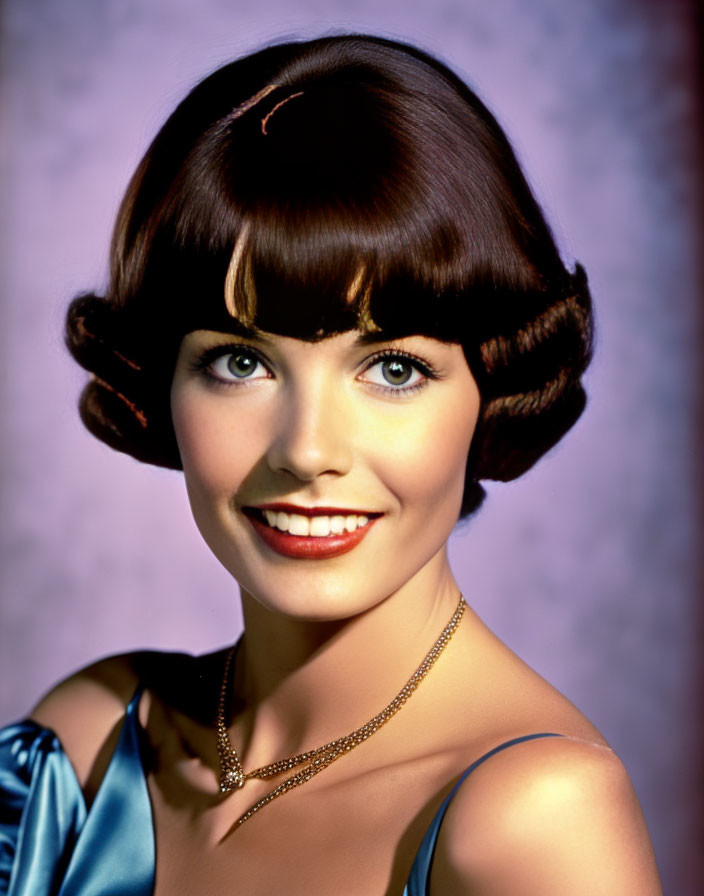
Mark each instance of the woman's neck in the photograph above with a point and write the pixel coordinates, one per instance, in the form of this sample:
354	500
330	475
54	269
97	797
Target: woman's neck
298	684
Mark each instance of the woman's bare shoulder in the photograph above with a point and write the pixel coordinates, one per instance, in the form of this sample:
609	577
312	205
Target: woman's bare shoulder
565	812
86	710
101	689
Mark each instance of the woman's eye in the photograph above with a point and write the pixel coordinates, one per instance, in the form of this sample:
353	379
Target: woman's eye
397	373
239	365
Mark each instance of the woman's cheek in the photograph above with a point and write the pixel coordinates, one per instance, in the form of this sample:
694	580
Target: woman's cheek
425	459
217	449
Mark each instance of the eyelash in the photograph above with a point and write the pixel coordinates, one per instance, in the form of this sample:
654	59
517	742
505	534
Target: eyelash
203	363
205	360
418	363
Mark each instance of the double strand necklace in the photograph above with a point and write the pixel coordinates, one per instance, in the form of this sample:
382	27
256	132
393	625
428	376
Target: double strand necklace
233	776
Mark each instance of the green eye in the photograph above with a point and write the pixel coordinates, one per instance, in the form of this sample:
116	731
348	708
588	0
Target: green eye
238	365
241	365
396	372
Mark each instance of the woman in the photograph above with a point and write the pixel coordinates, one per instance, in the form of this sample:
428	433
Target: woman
335	304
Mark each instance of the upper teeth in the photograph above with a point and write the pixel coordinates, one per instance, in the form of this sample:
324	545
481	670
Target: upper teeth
317	526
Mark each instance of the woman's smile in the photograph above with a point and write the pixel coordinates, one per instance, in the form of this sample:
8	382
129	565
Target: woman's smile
307	533
310	464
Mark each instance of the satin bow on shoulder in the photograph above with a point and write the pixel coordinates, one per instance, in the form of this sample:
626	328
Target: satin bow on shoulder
49	844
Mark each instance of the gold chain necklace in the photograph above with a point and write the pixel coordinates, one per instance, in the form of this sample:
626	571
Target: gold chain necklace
233	776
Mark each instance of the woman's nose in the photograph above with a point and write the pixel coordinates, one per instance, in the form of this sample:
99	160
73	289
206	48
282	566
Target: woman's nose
312	436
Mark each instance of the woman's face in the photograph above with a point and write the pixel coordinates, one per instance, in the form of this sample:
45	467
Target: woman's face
324	476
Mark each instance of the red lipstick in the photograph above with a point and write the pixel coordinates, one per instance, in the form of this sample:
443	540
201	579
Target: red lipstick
307	547
312	511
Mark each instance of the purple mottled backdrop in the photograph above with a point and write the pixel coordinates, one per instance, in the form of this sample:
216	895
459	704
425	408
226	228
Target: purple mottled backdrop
588	567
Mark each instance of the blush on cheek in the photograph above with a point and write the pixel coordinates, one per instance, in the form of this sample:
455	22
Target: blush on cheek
451	453
429	466
208	441
219	454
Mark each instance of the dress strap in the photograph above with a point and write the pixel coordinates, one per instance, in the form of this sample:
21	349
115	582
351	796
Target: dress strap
419	878
115	852
133	706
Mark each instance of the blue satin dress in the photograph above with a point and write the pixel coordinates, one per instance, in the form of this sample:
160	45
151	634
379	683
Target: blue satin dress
50	845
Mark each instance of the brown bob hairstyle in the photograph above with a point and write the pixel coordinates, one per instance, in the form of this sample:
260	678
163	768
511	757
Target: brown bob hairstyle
315	187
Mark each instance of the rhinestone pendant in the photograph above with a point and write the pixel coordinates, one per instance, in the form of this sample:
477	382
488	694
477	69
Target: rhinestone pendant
231	779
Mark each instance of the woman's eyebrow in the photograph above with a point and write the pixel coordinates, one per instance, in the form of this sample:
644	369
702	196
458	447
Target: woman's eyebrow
234	330
377	337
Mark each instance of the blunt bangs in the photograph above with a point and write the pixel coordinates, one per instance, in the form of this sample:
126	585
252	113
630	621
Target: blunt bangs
337	198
